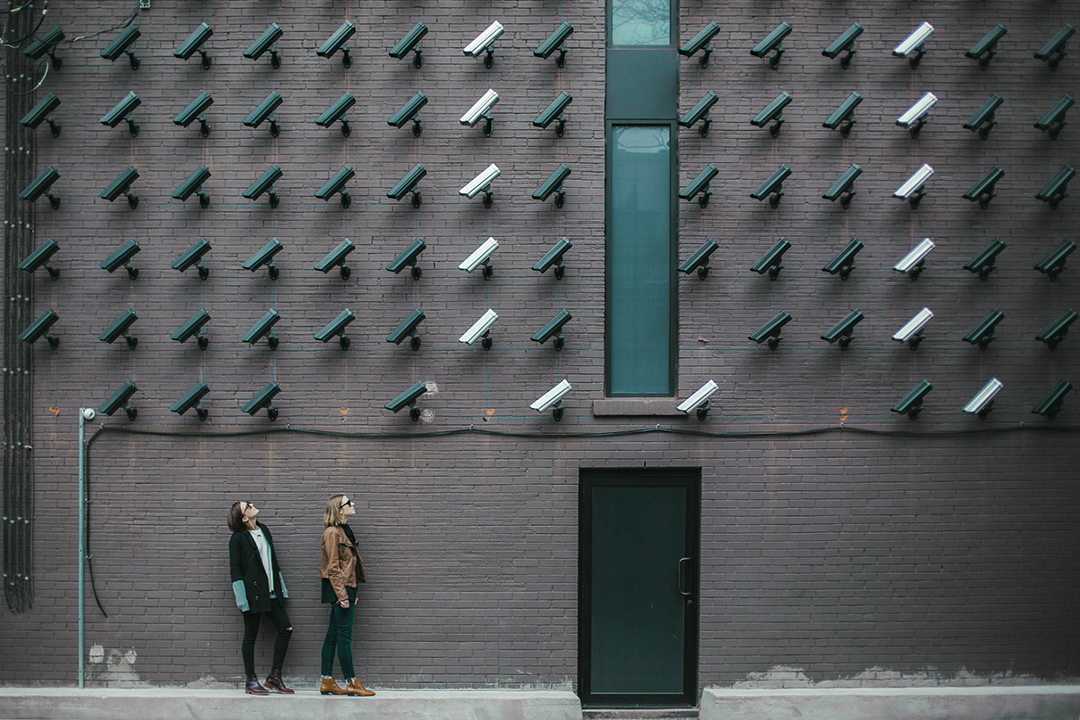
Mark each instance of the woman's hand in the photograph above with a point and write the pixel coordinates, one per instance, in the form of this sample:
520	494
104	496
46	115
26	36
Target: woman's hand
344	604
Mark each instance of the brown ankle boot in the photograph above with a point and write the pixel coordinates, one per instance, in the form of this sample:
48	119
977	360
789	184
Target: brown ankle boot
354	687
274	682
330	687
252	687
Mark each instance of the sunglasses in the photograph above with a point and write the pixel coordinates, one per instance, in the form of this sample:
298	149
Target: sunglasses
346	503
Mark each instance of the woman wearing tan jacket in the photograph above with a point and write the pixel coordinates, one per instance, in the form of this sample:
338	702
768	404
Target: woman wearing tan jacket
341	570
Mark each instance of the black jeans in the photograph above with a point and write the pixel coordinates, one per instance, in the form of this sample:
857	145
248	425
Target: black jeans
339	637
252	620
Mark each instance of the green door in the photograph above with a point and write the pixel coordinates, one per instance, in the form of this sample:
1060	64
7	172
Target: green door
639	559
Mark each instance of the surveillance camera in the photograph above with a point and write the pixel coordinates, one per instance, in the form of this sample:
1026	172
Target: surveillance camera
844	43
773	113
409	111
554	256
911	47
42	112
191	326
121	112
119	399
263	111
1055	332
119	327
264	255
912	188
700	185
911	404
192	399
552	399
263	399
555	109
983	263
407	329
1054	49
89	413
336	184
983	191
699	400
700	259
195	110
983	402
911	331
1054	119
772	42
553	329
41	186
194	43
553	184
1051	404
407	184
261	329
122	186
121	257
408	399
984	50
844	261
844	187
336	258
843	117
122	44
1055	190
336	328
194	184
46	45
480	257
337	42
912	264
482	182
484	42
481	109
983	333
480	328
40	258
700	42
408	44
191	256
771	330
264	183
844	330
408	258
700	111
40	328
336	112
555	41
1054	263
773	186
915	116
983	120
266	42
771	261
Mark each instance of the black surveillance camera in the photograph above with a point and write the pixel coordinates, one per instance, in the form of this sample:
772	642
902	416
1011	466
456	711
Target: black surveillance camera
773	186
337	42
844	261
983	120
121	258
407	184
191	256
772	261
191	326
41	186
336	328
1051	404
553	184
555	41
1052	265
407	329
121	112
336	184
772	42
700	185
119	399
262	328
119	327
336	258
122	186
554	256
844	187
843	117
409	111
122	44
46	45
192	400
263	256
408	258
770	331
42	112
265	183
195	110
1054	49
1055	332
408	44
408	399
194	43
553	328
40	258
700	42
553	111
336	112
40	328
1055	190
844	330
983	190
983	333
699	260
984	50
700	111
266	42
263	399
983	263
773	113
1054	119
263	111
194	185
912	403
844	43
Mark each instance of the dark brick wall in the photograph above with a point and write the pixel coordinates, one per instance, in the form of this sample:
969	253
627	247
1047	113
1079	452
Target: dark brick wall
916	547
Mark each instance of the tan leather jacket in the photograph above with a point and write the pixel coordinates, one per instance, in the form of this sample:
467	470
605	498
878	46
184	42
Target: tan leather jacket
339	559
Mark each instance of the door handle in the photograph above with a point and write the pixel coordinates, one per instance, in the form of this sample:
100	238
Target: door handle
682	577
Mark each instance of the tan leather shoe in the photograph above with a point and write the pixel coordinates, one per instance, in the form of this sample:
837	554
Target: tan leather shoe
354	687
330	687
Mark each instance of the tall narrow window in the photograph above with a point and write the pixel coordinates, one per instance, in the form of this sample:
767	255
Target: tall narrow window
639	261
640	22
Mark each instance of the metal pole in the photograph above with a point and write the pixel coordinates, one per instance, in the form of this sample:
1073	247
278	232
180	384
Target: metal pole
82	532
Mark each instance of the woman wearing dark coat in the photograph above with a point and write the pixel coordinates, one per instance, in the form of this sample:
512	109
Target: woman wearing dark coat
260	592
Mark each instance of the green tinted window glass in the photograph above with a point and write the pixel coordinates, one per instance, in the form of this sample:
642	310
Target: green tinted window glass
640	22
639	267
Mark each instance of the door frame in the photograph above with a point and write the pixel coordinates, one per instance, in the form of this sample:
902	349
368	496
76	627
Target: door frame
690	479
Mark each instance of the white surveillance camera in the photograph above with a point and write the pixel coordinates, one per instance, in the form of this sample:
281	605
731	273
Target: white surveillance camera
698	400
914	183
481	181
480	108
914	326
914	41
551	397
915	257
917	112
480	255
480	328
89	413
485	39
983	403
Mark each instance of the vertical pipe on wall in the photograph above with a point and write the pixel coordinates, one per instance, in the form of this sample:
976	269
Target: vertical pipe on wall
83	412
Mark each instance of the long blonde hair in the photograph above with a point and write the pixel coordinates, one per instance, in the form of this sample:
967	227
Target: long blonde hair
333	515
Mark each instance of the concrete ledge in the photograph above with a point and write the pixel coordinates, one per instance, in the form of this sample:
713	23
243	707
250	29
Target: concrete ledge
181	703
1028	702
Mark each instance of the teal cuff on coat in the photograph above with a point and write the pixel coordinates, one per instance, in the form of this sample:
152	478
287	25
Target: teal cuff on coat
241	595
284	590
